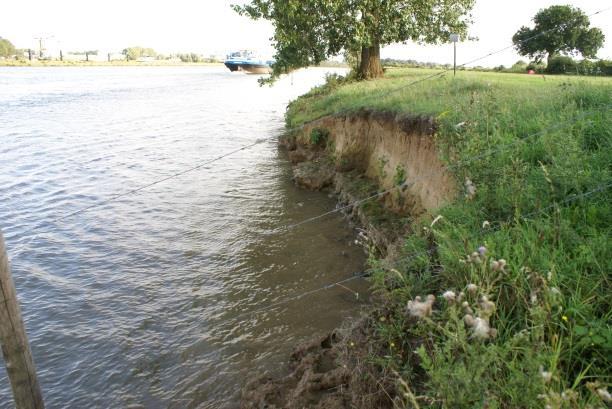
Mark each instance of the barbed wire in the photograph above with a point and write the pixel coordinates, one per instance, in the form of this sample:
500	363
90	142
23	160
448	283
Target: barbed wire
448	168
444	71
156	182
496	225
259	141
406	184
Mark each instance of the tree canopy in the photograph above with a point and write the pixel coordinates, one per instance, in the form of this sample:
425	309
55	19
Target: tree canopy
558	30
7	49
308	32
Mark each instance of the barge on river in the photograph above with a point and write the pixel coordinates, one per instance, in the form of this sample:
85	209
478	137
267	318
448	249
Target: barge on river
249	62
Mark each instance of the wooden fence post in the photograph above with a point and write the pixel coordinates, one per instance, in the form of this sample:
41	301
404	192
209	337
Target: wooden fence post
14	341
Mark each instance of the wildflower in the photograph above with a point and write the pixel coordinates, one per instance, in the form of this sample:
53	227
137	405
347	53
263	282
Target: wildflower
480	327
546	376
392	344
534	298
604	395
470	189
487	307
449	296
475	257
486	224
472	288
461	296
482	250
564	318
421	309
466	308
498	265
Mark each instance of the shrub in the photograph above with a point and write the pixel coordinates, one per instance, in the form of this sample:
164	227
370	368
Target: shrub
318	136
561	65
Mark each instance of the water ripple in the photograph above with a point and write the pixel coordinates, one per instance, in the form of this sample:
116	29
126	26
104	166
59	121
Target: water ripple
145	300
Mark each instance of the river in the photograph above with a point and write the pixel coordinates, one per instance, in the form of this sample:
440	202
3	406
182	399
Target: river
164	298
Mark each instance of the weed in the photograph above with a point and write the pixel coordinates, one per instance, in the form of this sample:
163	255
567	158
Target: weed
319	136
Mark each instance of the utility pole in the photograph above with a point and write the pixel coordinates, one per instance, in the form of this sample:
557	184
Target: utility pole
454	38
14	341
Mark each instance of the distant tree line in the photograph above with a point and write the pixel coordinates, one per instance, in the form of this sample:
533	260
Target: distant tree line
561	64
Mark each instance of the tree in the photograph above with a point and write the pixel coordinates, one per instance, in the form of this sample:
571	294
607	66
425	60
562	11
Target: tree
558	30
308	32
7	49
134	53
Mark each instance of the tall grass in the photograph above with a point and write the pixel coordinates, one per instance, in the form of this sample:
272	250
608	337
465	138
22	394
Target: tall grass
538	151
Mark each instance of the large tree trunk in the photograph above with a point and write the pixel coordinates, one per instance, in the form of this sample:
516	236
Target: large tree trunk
370	66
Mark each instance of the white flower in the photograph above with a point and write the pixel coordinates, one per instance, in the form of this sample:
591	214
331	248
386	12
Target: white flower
498	265
421	309
486	224
604	395
466	308
480	327
472	288
449	296
546	376
470	189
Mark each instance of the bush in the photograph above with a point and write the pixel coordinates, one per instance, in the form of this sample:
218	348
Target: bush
318	136
537	67
519	67
561	65
604	67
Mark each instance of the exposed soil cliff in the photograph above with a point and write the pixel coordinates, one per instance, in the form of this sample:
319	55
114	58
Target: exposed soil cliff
388	149
362	155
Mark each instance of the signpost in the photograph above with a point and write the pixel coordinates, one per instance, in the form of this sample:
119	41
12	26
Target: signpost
454	38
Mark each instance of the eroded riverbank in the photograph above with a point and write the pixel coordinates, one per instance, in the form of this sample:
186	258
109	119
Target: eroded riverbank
365	159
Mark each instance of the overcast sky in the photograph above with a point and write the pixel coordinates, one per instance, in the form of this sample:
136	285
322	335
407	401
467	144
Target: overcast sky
210	26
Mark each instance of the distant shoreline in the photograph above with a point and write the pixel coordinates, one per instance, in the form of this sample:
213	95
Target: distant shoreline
160	63
118	63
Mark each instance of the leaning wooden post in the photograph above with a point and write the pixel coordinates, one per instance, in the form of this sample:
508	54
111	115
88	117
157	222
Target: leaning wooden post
14	341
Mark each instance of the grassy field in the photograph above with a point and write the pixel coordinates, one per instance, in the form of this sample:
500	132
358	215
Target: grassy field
520	264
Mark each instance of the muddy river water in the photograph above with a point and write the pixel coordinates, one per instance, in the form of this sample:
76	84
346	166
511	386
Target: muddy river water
166	297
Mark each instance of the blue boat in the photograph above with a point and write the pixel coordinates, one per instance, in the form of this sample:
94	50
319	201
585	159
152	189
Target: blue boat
249	62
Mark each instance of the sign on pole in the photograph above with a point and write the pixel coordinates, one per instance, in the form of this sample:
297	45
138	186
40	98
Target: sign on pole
455	39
